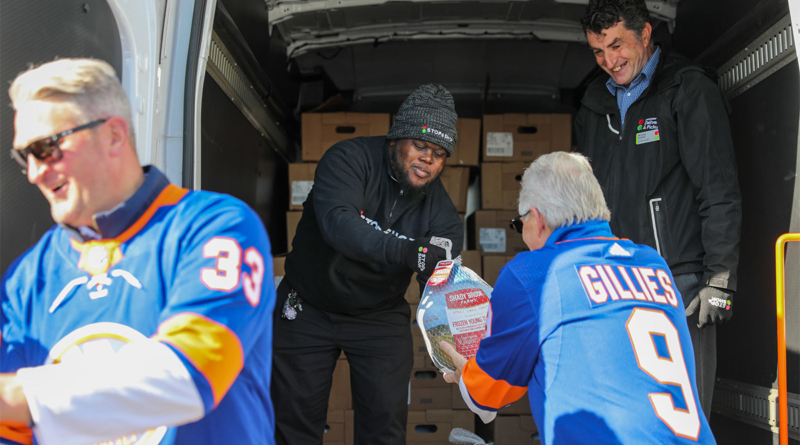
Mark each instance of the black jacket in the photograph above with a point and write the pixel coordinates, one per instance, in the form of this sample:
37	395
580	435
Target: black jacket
345	256
680	193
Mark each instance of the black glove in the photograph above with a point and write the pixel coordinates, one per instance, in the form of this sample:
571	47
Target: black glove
421	256
715	304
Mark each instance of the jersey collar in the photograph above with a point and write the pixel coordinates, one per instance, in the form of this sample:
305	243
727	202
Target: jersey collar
594	229
115	221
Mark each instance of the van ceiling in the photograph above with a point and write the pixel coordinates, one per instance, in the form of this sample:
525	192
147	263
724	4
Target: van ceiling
525	54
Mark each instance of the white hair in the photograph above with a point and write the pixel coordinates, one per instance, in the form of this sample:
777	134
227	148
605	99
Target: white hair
90	85
562	187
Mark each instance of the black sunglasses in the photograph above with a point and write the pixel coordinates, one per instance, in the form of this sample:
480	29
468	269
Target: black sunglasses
47	149
516	223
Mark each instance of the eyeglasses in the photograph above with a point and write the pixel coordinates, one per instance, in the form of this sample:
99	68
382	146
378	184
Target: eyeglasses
47	149
516	223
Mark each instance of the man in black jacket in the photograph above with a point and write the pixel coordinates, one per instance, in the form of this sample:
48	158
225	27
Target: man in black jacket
377	213
658	137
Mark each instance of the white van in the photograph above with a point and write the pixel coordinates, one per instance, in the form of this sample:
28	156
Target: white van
218	88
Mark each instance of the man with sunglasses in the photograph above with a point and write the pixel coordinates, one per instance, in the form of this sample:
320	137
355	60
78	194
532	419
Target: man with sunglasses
144	314
590	325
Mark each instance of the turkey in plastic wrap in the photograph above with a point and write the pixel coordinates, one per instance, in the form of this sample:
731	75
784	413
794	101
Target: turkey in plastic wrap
453	308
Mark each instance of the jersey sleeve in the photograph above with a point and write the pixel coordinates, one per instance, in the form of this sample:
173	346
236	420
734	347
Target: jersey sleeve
220	298
500	372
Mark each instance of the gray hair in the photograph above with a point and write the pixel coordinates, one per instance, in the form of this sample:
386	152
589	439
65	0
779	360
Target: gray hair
562	187
90	85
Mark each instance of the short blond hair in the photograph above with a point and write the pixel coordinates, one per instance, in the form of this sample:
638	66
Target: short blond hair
564	189
91	85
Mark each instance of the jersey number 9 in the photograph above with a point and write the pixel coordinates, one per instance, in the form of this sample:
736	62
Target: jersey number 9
643	325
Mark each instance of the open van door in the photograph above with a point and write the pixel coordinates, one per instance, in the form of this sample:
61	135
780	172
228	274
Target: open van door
33	35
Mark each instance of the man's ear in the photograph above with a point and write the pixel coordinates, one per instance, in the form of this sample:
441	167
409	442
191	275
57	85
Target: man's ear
647	33
538	220
119	135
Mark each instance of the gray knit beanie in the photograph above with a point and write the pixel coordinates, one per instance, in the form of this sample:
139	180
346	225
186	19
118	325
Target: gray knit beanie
427	114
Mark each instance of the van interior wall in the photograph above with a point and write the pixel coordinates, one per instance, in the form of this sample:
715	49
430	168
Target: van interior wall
765	128
84	28
237	161
712	31
764	122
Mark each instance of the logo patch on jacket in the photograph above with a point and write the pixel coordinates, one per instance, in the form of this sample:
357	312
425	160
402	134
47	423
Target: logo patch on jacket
648	129
650	123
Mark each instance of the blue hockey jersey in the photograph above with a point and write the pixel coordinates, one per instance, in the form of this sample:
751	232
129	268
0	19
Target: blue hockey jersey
164	320
594	329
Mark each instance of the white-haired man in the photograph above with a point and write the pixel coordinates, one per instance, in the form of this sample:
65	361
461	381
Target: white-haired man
589	324
143	316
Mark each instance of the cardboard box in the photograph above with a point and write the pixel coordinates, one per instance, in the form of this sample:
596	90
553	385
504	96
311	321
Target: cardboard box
349	426
414	326
456	182
334	427
301	179
500	184
413	292
428	378
471	259
520	407
515	430
492	266
490	233
292	219
321	130
277	269
340	398
467	149
525	137
423	362
456	400
416	334
420	399
419	342
433	426
339	428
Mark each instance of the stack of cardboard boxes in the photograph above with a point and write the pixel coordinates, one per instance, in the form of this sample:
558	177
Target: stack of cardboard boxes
507	144
510	143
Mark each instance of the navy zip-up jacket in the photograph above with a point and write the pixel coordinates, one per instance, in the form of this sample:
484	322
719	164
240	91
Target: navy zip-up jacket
345	256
